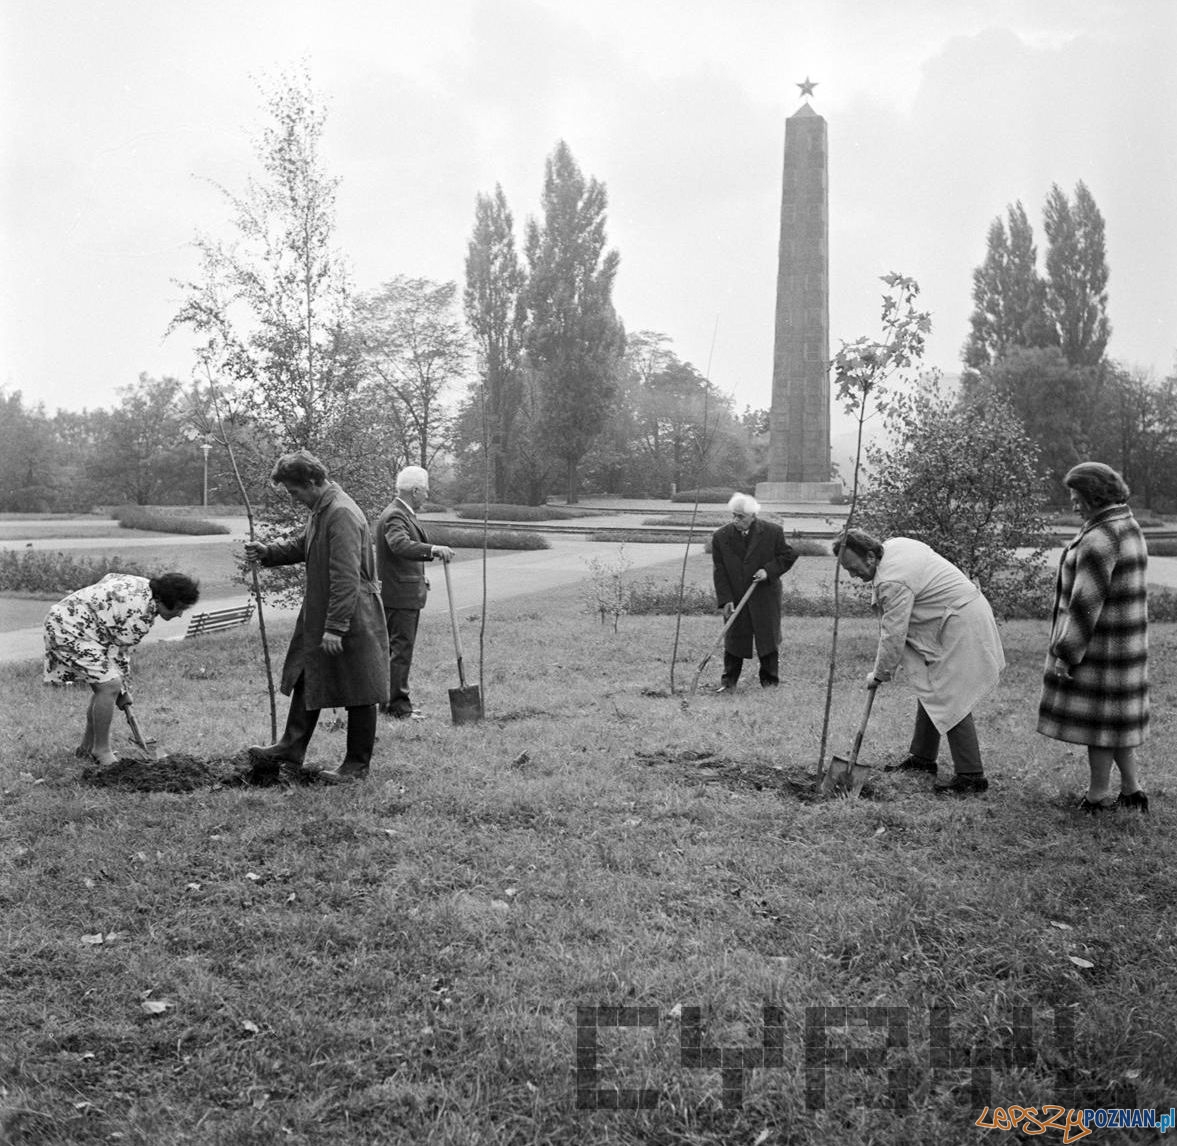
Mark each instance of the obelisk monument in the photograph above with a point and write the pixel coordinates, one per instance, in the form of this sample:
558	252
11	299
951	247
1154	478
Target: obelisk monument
799	418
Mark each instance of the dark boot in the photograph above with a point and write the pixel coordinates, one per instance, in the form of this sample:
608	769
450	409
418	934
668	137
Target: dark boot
732	667
361	740
770	670
291	748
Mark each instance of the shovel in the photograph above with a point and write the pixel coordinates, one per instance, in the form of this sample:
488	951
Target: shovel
722	633
465	700
149	747
845	777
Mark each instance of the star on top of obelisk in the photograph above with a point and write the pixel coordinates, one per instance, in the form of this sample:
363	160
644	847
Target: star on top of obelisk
807	86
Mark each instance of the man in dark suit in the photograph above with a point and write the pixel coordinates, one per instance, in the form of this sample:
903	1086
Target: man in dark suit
747	552
401	550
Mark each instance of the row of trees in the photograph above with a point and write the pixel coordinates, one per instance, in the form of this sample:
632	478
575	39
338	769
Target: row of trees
1039	341
525	376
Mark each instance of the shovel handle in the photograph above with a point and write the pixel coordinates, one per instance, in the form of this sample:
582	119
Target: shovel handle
871	689
449	592
722	633
136	731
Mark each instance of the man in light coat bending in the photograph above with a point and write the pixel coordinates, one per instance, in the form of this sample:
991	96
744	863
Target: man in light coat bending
936	626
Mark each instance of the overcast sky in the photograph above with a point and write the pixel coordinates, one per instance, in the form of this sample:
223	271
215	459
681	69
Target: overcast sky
116	113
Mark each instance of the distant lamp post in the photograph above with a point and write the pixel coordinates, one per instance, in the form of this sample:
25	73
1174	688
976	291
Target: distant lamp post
205	447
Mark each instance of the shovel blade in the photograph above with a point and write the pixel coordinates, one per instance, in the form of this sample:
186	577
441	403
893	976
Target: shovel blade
843	778
466	704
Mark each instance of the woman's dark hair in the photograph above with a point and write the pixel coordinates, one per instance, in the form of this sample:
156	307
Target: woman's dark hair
300	467
175	590
858	541
1097	484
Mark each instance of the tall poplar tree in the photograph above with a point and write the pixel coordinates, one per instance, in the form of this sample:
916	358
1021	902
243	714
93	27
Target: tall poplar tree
574	338
495	311
1077	275
1008	294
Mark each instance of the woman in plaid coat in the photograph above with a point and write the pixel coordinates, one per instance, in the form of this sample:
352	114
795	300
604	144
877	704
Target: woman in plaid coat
1095	686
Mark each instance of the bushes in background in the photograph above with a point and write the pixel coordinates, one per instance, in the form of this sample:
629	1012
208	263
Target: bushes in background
136	517
38	571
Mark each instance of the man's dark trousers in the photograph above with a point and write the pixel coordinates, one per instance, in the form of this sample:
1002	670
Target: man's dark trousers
402	635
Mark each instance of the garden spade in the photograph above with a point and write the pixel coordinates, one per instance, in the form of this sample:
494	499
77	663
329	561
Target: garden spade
147	746
465	700
722	633
845	777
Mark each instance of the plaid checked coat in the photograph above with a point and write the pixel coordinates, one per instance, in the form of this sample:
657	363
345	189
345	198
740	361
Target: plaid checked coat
1100	629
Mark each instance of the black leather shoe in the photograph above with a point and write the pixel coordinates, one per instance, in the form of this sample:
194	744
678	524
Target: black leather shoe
912	764
1135	801
962	784
1094	807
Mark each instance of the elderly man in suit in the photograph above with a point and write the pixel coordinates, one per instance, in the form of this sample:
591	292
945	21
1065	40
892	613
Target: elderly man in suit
401	551
746	552
338	656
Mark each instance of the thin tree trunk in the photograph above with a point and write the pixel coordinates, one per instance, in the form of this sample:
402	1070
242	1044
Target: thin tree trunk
257	588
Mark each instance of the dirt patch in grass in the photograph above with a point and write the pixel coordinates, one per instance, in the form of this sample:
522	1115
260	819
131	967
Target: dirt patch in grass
176	772
698	767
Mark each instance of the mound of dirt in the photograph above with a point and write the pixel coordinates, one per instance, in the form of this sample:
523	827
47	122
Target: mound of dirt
708	768
177	772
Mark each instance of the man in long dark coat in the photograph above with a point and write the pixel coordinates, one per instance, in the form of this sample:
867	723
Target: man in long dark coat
748	552
338	656
401	550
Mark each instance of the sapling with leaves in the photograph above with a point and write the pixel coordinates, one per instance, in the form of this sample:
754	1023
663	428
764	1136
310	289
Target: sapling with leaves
215	430
862	370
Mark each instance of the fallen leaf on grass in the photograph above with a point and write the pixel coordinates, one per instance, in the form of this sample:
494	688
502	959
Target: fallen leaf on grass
251	1026
98	938
1061	926
1084	963
156	1006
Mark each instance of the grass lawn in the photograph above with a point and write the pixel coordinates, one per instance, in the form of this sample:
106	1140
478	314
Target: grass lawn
404	961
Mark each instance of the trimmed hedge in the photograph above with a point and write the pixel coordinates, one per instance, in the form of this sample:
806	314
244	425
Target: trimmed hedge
469	537
660	598
136	517
39	571
714	495
476	512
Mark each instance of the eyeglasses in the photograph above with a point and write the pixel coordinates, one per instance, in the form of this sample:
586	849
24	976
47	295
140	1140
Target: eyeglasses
739	516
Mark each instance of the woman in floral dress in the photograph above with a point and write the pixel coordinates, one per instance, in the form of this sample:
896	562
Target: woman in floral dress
89	636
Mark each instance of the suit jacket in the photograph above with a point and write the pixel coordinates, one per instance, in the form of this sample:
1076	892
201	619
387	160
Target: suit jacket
734	560
342	596
401	549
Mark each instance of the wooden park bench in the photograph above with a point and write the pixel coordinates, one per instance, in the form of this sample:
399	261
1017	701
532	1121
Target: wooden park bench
218	620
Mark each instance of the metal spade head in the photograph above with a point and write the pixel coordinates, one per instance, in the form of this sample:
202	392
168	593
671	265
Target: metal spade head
843	778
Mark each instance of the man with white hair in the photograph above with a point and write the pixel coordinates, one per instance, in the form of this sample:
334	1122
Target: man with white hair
401	550
750	552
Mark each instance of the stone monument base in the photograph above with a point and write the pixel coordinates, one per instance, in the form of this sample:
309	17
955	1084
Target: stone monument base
791	491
